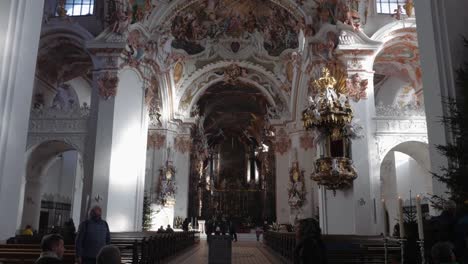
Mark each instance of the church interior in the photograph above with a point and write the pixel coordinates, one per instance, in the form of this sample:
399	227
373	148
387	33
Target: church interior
264	112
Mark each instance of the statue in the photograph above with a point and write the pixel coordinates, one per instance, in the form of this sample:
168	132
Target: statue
326	81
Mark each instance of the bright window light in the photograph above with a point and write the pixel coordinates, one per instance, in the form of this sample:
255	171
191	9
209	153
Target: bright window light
79	7
389	6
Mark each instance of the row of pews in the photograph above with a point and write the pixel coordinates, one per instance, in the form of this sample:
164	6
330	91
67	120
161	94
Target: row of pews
341	249
135	247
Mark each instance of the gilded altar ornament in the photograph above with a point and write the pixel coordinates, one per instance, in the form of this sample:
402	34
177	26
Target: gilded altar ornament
178	70
409	7
166	188
296	190
61	11
329	109
334	173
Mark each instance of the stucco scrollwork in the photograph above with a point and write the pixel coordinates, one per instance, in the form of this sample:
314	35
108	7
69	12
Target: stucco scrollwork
385	143
107	84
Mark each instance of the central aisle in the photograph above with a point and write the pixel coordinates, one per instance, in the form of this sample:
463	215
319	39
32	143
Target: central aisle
243	252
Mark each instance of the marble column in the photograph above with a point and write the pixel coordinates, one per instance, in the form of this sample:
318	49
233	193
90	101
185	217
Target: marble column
19	40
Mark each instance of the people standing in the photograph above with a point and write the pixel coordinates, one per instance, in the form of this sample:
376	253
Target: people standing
233	231
52	249
93	234
185	225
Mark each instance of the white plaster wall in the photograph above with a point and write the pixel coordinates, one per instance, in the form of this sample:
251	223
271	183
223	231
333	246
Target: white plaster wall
411	176
390	189
19	38
77	190
59	179
126	174
182	164
283	164
82	89
400	174
388	90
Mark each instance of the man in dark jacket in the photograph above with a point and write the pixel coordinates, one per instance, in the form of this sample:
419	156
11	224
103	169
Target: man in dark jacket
93	234
52	250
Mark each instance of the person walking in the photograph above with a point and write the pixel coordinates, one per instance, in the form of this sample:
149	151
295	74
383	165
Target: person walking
93	234
232	230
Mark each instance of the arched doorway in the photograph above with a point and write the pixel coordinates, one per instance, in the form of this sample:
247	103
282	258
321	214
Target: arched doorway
53	186
405	173
232	161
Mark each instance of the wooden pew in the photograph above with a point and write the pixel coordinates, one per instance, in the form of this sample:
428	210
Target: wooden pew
340	249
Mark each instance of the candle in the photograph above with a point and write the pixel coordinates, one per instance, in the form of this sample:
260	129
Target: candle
384	217
420	218
400	218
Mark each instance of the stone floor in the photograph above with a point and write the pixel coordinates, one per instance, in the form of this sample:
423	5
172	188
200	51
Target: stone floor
245	251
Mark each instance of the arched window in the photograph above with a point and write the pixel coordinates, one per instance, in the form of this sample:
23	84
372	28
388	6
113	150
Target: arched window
79	7
389	6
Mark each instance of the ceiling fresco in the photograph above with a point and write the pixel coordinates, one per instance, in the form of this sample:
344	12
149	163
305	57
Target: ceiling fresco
61	61
237	19
400	58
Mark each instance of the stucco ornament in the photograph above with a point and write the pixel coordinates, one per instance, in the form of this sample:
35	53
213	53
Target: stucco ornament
282	142
296	190
156	140
182	144
107	84
167	186
307	141
357	87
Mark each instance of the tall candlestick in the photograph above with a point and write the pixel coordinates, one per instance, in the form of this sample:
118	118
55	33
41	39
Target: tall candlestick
420	218
400	218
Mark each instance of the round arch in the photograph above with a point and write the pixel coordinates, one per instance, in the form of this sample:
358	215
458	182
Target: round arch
417	180
194	87
39	159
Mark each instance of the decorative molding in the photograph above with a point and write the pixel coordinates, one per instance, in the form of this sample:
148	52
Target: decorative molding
182	144
307	141
357	87
397	111
156	140
77	141
282	142
384	143
107	82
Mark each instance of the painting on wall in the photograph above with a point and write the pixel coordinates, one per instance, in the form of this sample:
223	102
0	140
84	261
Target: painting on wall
267	22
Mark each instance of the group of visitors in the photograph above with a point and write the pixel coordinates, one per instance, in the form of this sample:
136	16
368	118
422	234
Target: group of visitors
167	230
92	243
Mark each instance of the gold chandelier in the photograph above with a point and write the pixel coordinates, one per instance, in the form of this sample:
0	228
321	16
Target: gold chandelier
329	111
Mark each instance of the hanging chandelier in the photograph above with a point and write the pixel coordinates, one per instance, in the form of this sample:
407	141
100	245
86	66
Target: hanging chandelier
329	112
